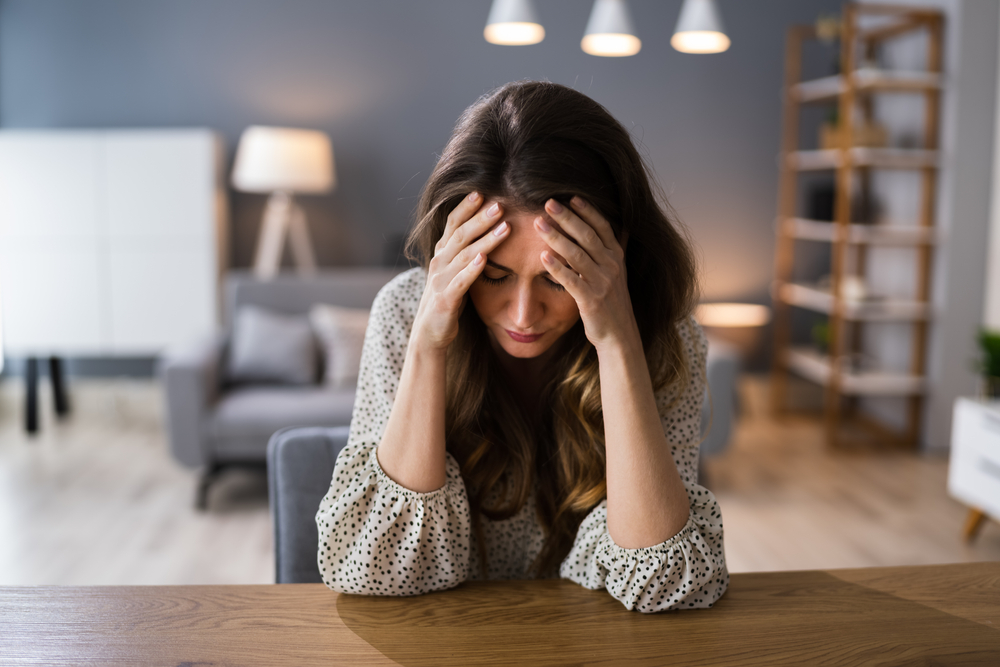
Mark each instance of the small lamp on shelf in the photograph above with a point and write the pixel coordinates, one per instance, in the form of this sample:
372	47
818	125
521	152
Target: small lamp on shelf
738	324
283	162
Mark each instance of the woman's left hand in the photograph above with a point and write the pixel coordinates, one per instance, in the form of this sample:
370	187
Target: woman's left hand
587	260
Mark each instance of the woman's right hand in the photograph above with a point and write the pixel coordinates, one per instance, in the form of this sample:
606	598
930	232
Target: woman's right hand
459	258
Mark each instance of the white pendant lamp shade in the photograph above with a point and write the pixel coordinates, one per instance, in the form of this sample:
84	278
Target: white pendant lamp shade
513	22
271	159
609	31
699	29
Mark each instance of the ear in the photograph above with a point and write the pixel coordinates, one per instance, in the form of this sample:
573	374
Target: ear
623	241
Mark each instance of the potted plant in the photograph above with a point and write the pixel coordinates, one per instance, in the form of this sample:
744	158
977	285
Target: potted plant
989	364
821	336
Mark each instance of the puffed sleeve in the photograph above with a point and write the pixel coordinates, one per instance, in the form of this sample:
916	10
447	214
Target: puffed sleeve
687	570
375	536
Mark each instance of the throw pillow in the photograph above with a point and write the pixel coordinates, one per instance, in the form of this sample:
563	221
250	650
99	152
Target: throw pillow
271	347
342	333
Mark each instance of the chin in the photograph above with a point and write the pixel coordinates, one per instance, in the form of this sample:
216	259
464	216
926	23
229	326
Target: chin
518	350
525	351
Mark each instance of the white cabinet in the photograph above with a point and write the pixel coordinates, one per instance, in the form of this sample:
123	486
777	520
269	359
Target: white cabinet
974	469
111	242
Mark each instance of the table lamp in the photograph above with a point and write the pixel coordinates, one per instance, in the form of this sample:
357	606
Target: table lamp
738	324
283	162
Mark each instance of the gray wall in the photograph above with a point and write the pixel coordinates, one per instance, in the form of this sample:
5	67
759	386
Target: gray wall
388	78
963	209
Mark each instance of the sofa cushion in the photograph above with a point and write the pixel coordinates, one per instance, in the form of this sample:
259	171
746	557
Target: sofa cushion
342	332
259	411
272	347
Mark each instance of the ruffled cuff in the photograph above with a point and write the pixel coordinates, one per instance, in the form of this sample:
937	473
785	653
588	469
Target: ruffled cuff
453	484
380	538
686	570
609	552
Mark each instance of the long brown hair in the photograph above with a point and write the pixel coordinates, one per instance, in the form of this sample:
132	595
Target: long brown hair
523	144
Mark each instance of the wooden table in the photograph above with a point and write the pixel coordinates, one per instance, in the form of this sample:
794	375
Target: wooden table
941	615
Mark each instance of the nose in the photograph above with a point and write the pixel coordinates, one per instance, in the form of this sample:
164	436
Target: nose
526	308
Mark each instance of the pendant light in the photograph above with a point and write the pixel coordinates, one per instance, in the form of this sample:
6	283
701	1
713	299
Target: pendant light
699	29
609	31
513	22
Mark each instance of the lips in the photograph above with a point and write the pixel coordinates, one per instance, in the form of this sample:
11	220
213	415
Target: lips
523	338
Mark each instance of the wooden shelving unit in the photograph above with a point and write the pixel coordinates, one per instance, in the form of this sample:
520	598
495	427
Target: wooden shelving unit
863	29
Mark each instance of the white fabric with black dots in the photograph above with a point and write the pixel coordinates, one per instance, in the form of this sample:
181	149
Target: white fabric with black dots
378	538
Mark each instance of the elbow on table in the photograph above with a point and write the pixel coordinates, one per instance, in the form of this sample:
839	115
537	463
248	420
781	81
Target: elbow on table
692	575
703	596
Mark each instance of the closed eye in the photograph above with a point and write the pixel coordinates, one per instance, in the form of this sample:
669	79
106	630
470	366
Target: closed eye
554	285
493	281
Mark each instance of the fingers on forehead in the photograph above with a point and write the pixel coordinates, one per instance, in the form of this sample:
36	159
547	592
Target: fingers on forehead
594	219
465	206
566	231
468	211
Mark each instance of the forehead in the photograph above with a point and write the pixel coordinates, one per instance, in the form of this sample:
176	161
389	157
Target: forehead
523	248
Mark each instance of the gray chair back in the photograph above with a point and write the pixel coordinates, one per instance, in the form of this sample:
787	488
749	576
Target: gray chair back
720	406
299	471
294	295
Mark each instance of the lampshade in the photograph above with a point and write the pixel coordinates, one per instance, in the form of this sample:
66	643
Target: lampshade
739	325
513	22
729	315
609	30
270	159
699	29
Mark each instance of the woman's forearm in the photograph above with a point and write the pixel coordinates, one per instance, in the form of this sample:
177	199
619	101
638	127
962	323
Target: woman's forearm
412	450
647	502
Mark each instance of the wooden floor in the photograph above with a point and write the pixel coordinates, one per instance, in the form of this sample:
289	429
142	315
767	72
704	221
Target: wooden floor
97	499
789	503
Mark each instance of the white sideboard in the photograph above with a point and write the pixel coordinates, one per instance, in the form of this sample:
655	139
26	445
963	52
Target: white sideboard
111	242
974	468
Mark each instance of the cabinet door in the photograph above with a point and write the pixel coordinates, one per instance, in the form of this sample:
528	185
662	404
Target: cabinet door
51	295
162	231
162	293
974	468
51	272
161	183
49	184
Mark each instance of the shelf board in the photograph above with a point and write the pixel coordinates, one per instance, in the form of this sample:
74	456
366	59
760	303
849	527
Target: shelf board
866	80
886	158
816	367
875	310
859	234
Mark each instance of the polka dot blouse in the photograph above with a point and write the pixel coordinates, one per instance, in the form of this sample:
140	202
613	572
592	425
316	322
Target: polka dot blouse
378	538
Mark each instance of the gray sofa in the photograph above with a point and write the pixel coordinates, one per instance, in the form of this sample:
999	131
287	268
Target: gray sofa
300	467
212	423
721	405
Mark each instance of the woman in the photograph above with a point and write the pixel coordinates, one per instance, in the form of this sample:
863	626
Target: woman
529	402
